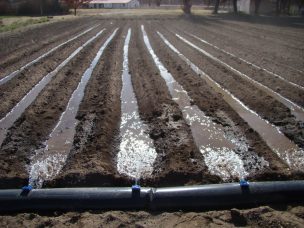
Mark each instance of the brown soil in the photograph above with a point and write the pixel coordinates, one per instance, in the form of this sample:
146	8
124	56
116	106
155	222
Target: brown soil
218	109
34	126
264	216
266	106
92	160
23	47
284	61
13	91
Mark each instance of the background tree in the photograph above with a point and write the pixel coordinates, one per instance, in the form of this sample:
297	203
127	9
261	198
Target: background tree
234	2
216	6
187	6
158	2
75	4
257	4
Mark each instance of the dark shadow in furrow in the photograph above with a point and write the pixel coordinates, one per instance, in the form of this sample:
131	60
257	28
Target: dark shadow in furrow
257	100
92	160
214	106
271	59
13	60
36	123
177	159
14	90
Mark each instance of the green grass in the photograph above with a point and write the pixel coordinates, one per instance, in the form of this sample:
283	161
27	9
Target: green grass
21	23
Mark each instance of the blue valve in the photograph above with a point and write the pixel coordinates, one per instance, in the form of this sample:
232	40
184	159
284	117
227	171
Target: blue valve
135	188
244	183
27	189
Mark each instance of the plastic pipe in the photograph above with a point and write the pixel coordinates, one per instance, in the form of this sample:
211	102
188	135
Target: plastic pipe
214	196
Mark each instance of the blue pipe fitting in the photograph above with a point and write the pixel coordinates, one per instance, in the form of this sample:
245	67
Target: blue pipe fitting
244	183
135	188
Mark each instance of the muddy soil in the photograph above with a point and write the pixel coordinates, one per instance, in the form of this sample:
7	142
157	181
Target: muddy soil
19	46
218	109
13	90
264	216
259	101
178	158
14	58
93	158
36	123
287	63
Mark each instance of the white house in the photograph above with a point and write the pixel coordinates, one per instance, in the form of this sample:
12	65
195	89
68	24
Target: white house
113	4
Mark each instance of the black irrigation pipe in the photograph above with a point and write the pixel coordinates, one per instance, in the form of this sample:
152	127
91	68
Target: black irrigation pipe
215	196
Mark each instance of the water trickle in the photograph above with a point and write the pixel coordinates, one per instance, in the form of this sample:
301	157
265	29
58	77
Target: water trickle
278	142
13	74
137	153
47	162
10	118
295	109
218	149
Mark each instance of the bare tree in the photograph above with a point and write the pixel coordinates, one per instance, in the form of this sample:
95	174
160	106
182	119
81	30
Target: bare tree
257	4
216	7
187	6
75	4
234	2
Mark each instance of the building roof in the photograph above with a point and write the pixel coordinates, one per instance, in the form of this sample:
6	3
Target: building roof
109	1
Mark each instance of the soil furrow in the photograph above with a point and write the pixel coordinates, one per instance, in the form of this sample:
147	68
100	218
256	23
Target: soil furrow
267	107
179	160
18	58
281	145
14	90
35	124
30	37
92	160
260	54
260	35
219	111
218	149
237	61
48	161
294	108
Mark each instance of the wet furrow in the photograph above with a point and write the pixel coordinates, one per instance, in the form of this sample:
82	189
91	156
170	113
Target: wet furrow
9	76
256	99
178	159
235	62
216	146
35	40
295	109
136	151
282	146
14	90
219	111
10	118
13	61
92	159
37	121
273	59
48	161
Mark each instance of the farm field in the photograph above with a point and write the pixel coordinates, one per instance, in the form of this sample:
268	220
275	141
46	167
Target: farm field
167	102
161	100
